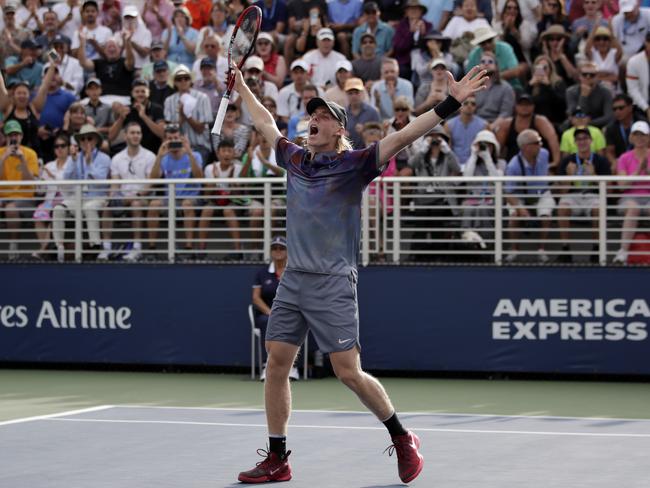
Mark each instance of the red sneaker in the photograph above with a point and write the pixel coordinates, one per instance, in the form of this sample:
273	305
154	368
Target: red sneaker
273	468
409	460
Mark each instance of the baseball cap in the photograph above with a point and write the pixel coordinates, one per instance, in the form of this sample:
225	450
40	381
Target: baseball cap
28	44
89	2
640	126
437	62
130	11
325	33
626	6
524	97
265	36
344	64
9	8
579	112
157	45
61	39
279	241
181	69
95	81
354	84
581	130
300	63
140	82
370	7
207	63
172	128
334	108
160	65
12	127
254	62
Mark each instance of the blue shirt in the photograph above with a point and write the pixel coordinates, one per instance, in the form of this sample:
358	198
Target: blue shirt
435	10
367	114
463	135
181	168
56	105
344	12
32	74
177	52
271	16
324	206
98	169
383	37
292	127
540	169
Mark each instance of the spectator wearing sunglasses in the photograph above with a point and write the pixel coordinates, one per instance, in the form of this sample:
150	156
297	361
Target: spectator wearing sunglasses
630	26
594	99
498	99
580	119
617	132
463	128
604	50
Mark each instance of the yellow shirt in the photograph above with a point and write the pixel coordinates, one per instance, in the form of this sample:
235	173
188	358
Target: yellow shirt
12	172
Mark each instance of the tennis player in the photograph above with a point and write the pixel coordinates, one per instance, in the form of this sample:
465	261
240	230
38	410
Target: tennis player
325	182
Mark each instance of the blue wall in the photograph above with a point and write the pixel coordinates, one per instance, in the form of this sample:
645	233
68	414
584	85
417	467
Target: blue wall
412	318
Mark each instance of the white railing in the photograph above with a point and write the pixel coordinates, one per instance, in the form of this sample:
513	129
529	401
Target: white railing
403	220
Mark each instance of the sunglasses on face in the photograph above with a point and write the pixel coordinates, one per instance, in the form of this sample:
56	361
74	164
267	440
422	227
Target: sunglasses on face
183	78
469	102
619	107
601	38
60	146
554	38
588	75
401	109
553	5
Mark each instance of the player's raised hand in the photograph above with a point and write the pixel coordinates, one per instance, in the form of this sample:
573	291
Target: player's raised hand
239	78
471	83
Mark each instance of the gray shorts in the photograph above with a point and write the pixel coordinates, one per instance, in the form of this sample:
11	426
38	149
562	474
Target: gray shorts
324	304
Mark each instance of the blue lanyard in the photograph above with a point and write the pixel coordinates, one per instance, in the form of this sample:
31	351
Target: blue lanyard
269	14
580	165
624	136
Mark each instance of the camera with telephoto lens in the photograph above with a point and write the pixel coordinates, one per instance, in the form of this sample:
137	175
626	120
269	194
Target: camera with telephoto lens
482	146
252	81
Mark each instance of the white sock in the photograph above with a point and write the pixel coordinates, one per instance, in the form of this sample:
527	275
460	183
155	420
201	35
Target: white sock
106	246
137	246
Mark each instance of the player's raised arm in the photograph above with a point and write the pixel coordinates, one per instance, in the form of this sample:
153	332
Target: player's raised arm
393	143
262	118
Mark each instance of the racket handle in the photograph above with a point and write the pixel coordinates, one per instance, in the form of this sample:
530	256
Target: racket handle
221	114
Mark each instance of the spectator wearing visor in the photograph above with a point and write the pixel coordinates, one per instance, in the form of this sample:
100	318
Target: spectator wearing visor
140	37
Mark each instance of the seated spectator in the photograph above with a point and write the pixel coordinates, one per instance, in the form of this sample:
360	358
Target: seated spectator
344	16
114	71
234	130
148	115
275	66
617	132
274	18
635	200
554	41
26	67
254	67
226	166
389	88
110	15
159	89
92	31
258	87
289	97
581	119
176	159
553	13
403	110
200	12
336	93
408	33
50	32
359	112
140	37
324	59
519	32
467	21
589	22
51	171
548	91
498	99
12	34
133	163
209	85
270	105
431	93
17	163
100	113
157	54
75	118
485	42
525	117
368	65
582	199
439	12
432	200
211	49
15	105
463	128
590	95
180	37
308	92
382	32
478	207
434	46
191	110
72	74
630	26
305	19
30	15
154	13
532	160
89	164
637	77
606	52
235	9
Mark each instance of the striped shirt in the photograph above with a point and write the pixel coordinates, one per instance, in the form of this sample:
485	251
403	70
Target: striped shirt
202	112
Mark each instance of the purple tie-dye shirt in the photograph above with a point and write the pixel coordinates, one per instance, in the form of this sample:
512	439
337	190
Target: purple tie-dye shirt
324	206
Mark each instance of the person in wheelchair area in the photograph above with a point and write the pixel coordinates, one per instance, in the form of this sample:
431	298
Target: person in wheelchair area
478	205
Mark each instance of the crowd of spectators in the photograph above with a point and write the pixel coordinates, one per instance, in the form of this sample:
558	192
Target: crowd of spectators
115	89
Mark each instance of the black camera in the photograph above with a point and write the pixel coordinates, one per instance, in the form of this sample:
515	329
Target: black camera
482	146
175	145
435	142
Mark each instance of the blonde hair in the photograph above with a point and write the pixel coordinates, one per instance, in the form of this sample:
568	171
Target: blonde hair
343	144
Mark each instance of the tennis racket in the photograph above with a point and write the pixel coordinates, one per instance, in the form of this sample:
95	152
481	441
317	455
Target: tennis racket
242	43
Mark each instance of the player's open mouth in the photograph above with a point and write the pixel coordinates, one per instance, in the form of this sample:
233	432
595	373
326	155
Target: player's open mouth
313	130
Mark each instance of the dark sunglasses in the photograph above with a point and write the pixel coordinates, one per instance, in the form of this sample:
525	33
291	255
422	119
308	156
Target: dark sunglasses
60	146
588	75
401	109
553	5
619	107
183	78
86	138
469	102
554	38
601	38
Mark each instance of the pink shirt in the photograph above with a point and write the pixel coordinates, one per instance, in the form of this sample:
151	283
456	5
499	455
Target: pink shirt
628	164
165	9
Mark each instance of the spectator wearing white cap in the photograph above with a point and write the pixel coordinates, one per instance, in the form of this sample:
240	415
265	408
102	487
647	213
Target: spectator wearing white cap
344	16
289	97
431	93
635	200
524	198
275	66
630	26
389	88
95	34
323	60
253	71
140	36
337	92
359	112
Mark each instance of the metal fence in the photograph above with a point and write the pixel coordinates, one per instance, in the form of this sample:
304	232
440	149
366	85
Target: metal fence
404	220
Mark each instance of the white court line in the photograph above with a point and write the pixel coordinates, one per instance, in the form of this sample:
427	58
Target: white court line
345	427
402	414
55	415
